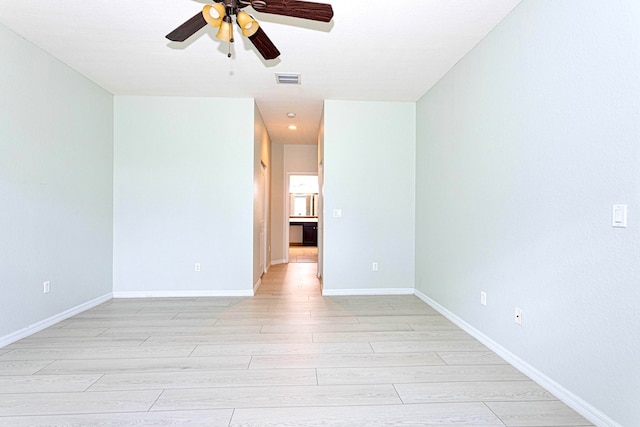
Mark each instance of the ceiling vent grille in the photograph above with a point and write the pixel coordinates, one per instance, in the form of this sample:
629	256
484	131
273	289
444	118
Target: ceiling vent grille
288	79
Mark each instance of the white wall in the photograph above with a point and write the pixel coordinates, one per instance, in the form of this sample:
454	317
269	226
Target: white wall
183	194
300	159
522	150
56	157
321	212
261	194
278	247
295	234
369	173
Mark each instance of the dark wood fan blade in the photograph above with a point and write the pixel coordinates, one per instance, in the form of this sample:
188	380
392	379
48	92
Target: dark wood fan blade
265	46
187	29
299	9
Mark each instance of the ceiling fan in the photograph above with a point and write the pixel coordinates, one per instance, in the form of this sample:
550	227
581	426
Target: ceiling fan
219	16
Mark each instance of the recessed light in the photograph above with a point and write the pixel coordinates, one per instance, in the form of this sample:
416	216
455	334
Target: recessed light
291	115
293	127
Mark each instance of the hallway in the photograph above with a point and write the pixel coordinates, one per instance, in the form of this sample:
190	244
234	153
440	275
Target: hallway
296	279
303	254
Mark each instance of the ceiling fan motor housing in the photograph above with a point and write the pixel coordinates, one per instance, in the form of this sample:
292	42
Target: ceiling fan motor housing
234	5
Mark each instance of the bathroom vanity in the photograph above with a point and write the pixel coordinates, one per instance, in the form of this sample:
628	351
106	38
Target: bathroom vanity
303	231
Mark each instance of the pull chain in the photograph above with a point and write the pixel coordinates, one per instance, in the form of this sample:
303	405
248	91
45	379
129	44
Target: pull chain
230	41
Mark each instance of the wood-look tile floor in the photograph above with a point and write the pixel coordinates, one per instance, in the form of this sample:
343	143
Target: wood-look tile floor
303	254
287	356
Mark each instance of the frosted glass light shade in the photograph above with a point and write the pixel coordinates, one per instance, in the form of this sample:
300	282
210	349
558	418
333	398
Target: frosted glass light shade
247	23
214	14
225	33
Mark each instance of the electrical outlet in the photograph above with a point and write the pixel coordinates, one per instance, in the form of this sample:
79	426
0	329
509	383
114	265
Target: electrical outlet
374	266
518	316
197	267
483	298
46	287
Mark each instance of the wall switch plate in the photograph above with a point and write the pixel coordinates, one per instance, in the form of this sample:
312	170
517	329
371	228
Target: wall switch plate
337	213
374	266
619	216
197	267
518	316
46	287
483	298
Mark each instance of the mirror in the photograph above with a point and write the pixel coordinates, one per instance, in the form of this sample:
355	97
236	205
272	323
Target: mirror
303	205
303	196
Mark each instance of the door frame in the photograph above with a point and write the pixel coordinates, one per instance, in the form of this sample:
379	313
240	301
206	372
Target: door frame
287	207
264	221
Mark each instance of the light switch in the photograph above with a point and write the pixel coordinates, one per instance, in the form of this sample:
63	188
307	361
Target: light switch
337	213
619	216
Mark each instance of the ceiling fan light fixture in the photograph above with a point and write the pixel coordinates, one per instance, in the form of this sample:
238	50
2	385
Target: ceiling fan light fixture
214	14
225	33
247	23
221	12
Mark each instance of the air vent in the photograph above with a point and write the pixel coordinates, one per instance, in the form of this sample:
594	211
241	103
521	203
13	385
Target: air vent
288	79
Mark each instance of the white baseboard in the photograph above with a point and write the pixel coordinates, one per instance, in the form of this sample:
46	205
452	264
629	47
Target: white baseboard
570	399
257	285
43	324
182	294
278	261
370	291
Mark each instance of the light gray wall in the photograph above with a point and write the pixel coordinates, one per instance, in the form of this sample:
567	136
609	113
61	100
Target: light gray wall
369	173
522	150
183	194
56	157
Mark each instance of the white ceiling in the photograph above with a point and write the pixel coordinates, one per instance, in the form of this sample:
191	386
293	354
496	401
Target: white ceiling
372	50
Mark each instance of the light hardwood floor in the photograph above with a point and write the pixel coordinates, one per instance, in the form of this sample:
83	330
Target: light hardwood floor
287	356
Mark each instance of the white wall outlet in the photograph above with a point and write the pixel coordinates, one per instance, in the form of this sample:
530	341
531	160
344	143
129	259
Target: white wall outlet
518	316
483	298
374	266
197	267
46	287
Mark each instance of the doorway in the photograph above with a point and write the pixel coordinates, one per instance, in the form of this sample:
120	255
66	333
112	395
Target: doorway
303	209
